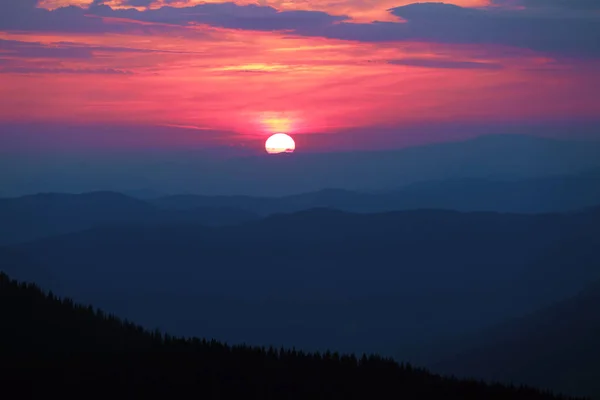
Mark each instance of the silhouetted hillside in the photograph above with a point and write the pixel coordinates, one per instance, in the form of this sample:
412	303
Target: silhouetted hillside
324	278
556	347
52	347
521	196
33	217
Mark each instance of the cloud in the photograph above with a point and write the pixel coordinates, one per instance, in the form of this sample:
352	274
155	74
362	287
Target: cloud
14	48
34	57
138	3
228	15
66	50
18	5
551	32
36	70
26	17
100	18
564	4
444	23
433	63
431	22
23	15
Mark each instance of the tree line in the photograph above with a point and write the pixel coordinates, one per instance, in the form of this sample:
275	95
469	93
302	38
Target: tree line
51	345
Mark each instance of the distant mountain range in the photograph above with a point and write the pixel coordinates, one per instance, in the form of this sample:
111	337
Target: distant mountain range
36	216
489	157
551	194
33	217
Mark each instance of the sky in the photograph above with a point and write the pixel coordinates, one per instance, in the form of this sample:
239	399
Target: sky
335	74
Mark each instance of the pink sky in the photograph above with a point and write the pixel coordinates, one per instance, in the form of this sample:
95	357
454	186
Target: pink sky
211	76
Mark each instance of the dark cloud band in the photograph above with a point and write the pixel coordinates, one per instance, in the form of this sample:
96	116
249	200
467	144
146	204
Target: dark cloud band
554	32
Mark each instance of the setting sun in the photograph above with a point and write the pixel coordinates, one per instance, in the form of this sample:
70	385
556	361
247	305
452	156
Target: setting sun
280	143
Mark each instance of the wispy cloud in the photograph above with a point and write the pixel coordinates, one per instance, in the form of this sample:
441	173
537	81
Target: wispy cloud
437	63
15	48
86	71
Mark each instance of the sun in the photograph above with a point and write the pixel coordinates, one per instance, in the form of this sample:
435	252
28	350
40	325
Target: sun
280	143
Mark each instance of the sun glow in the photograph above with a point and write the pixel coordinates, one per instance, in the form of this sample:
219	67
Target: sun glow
274	121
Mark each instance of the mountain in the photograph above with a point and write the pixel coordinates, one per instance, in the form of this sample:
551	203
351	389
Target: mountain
144	194
556	347
327	198
493	157
53	346
325	278
32	217
22	267
552	276
548	194
540	195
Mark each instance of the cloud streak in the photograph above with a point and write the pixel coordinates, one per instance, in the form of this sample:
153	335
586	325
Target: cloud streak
14	48
433	63
30	70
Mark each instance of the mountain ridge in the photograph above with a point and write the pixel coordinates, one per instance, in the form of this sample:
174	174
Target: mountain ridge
96	349
343	273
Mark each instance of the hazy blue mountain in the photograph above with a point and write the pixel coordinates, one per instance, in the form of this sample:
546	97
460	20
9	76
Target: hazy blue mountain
36	216
30	217
496	157
327	198
556	347
565	267
144	194
550	194
328	279
264	205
